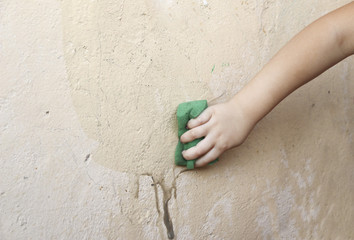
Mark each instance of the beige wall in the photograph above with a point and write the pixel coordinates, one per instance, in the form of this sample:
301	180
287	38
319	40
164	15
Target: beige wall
88	95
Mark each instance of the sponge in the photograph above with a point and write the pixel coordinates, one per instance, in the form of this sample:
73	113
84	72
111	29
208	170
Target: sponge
185	112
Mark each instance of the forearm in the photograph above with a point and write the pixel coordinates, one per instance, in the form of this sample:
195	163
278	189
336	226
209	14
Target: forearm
319	46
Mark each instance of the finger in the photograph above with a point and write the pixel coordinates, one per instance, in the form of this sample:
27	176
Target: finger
207	158
194	133
201	119
199	150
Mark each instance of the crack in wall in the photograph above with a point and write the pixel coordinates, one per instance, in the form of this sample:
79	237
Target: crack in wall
167	219
167	194
166	197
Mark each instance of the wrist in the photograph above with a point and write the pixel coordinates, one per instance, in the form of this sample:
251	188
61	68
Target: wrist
243	106
256	99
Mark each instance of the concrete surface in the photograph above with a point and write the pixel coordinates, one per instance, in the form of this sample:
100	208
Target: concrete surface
88	94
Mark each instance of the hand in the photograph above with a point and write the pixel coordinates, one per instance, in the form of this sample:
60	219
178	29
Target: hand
224	126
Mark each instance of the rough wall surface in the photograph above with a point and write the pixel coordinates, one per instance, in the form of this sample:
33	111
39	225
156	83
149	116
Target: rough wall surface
88	94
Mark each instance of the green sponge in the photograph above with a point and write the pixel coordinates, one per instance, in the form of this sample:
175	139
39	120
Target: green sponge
186	111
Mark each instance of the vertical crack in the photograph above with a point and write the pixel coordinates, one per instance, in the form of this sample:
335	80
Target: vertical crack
167	194
166	215
167	219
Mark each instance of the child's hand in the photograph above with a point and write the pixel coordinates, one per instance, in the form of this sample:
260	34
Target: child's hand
329	40
224	126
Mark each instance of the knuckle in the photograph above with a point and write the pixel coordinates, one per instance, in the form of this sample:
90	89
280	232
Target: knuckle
201	119
212	110
190	122
201	163
184	137
193	133
186	155
197	121
198	151
222	146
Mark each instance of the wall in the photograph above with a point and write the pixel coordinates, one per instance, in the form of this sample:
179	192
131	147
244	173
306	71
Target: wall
89	91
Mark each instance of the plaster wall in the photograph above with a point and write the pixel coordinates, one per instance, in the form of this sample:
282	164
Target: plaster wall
88	95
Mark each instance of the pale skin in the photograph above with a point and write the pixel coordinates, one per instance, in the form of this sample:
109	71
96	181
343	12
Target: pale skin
318	47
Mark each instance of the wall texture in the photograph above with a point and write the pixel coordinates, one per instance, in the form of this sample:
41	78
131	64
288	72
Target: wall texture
88	95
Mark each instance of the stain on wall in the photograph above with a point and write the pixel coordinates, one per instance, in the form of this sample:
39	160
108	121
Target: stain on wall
89	91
